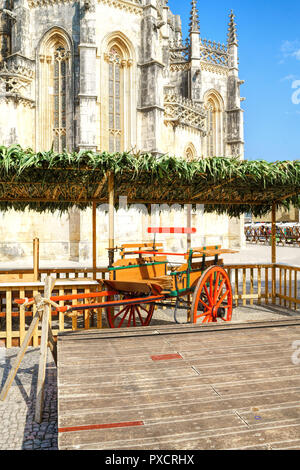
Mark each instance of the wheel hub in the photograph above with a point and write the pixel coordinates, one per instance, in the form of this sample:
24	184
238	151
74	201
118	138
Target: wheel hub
218	312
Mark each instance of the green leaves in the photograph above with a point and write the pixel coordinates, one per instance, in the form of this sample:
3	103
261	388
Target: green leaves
152	178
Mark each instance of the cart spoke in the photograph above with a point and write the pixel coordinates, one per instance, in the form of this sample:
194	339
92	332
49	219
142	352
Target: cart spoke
208	295
222	298
130	316
216	287
220	288
203	303
143	308
211	286
140	317
123	318
206	314
120	312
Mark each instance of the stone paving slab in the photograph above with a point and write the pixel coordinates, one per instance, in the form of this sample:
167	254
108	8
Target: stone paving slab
18	430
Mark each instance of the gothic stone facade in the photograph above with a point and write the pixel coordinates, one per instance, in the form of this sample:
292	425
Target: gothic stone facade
114	75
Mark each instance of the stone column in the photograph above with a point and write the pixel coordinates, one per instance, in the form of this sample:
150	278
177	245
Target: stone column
86	110
21	30
5	31
151	89
235	124
195	43
87	96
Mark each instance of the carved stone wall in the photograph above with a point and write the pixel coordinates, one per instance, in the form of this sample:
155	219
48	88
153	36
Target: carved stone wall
165	81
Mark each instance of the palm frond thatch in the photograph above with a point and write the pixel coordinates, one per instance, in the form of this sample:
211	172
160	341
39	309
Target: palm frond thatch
50	181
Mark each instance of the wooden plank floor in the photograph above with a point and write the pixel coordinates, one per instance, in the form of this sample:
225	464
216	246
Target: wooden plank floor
180	387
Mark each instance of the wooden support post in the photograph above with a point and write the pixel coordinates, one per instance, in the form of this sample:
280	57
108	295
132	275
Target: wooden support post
189	225
111	214
273	253
52	344
36	258
188	247
49	284
94	217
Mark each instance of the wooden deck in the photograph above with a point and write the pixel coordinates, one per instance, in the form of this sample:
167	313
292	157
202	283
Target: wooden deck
180	387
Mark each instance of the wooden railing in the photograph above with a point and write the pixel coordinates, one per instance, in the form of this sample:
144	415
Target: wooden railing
285	235
13	320
287	292
265	283
252	284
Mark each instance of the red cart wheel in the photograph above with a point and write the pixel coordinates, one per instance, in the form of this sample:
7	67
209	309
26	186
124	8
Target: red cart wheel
129	315
212	300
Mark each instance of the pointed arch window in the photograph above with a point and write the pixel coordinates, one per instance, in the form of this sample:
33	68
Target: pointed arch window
115	100
60	77
54	114
211	130
214	139
117	107
190	153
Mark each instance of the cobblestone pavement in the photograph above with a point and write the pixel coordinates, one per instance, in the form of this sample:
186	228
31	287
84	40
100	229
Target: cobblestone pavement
18	430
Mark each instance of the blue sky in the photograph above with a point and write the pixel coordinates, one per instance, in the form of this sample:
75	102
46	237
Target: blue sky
269	54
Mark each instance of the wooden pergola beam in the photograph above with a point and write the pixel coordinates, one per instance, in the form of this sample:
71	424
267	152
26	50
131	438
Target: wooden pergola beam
210	190
295	193
139	201
100	187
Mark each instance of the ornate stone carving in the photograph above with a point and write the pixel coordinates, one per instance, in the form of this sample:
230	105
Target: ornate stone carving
182	111
15	79
9	13
90	5
13	69
218	69
42	3
232	31
213	52
180	67
133	6
17	99
113	57
194	19
179	52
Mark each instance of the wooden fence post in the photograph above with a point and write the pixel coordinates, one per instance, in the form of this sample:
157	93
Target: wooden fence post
36	258
273	238
49	284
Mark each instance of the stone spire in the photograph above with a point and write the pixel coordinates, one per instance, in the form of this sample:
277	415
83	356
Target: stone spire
232	34
194	18
195	47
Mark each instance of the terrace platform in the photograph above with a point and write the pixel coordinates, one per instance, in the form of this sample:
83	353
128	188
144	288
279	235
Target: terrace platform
170	387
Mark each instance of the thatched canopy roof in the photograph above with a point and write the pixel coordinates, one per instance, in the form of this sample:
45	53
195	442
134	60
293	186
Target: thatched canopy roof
48	181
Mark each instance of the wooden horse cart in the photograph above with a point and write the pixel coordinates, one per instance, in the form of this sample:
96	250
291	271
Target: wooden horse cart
143	279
